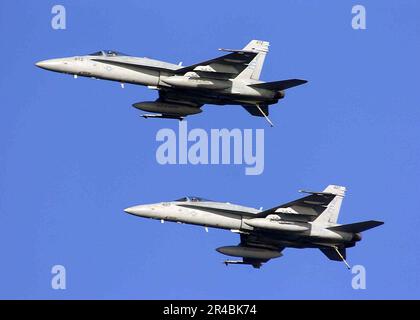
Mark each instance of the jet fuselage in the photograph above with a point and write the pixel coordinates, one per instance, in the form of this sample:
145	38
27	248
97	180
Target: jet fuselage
307	222
230	79
161	75
244	220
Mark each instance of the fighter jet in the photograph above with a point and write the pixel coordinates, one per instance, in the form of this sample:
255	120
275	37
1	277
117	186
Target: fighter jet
308	222
232	79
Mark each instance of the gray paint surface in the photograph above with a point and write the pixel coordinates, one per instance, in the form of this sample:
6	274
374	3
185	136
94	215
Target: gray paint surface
231	79
308	222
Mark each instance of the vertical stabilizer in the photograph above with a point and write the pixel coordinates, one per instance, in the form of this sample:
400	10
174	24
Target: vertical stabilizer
330	214
253	71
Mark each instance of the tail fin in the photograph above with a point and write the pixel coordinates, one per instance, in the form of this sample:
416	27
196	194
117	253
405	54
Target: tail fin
253	71
330	214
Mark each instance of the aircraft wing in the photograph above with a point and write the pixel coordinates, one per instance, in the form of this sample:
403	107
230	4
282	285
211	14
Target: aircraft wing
251	241
231	64
310	206
174	97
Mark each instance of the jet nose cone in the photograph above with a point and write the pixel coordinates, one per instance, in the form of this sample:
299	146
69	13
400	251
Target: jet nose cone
52	64
146	211
130	210
42	64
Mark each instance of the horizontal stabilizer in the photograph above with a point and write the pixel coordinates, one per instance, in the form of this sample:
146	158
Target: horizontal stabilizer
279	85
357	227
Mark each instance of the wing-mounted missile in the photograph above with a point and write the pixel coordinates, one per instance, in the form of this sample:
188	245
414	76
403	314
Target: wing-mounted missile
255	263
161	116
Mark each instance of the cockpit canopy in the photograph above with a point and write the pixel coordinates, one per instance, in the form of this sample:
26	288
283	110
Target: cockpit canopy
108	53
192	199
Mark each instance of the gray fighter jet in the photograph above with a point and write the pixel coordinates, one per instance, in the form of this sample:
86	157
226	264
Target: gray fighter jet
309	222
232	79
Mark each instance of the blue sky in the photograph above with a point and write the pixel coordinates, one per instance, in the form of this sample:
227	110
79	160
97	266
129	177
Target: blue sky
74	153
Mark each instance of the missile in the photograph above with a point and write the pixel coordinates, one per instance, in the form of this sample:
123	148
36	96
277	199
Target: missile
228	262
168	109
196	82
262	223
249	252
256	265
162	116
